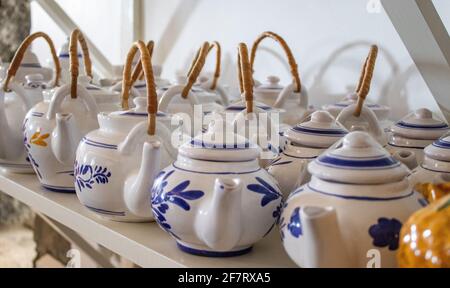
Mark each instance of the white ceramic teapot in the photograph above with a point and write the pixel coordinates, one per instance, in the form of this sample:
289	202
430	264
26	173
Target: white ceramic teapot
116	164
416	131
354	206
53	129
216	200
305	142
209	95
15	101
435	167
293	99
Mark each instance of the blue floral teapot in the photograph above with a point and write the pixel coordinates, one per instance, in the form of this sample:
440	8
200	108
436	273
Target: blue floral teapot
354	206
215	199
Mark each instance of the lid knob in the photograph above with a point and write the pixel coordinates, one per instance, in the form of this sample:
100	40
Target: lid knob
322	117
273	80
423	113
34	78
357	139
140	103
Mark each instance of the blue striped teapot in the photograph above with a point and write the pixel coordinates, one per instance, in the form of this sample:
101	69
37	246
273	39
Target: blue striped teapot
354	206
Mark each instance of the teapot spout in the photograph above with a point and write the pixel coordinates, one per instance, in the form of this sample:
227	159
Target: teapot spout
65	138
219	226
322	240
137	187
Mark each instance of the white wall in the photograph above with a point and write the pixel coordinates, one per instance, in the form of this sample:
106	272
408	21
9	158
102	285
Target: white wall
313	29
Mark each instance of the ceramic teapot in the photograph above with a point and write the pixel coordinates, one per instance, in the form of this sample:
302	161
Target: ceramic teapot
425	237
216	200
305	142
435	168
356	201
359	116
293	99
15	100
382	112
30	65
64	60
53	129
116	164
210	99
416	131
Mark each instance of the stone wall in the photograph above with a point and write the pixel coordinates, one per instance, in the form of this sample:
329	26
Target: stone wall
15	25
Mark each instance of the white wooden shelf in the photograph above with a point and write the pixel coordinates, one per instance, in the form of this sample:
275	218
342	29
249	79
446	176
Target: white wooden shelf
142	243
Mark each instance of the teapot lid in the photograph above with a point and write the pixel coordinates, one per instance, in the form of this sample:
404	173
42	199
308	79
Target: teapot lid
439	150
351	99
259	107
101	94
140	110
321	131
30	60
358	159
220	145
420	125
34	81
272	85
63	51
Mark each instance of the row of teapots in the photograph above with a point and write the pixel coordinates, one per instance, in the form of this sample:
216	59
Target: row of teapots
119	158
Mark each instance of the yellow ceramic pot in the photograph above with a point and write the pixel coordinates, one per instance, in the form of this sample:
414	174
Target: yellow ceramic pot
425	237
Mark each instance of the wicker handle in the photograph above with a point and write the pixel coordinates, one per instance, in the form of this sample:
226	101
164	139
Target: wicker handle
287	50
138	73
152	101
75	38
18	57
245	76
198	64
365	80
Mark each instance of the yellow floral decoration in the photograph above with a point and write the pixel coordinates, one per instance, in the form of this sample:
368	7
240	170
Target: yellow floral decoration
38	139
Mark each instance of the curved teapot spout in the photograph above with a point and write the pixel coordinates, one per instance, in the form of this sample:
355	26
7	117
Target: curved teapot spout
65	138
322	240
219	225
173	91
137	187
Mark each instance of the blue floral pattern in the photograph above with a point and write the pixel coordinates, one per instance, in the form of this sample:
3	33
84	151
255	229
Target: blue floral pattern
87	175
27	145
264	188
386	233
178	196
295	223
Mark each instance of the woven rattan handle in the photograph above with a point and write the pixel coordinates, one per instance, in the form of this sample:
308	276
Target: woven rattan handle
75	38
245	76
18	57
365	80
198	64
152	101
138	73
292	63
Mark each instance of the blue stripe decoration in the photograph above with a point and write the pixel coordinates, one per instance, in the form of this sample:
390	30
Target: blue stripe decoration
402	124
215	173
205	253
240	108
99	144
441	143
66	55
59	189
37	114
142	114
233	146
377	163
298	157
362	198
328	132
105	212
346	105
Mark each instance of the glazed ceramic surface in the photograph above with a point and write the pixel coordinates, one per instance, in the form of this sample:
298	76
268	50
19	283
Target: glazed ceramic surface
435	167
117	163
13	108
216	200
305	142
354	206
381	111
416	131
52	131
425	238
